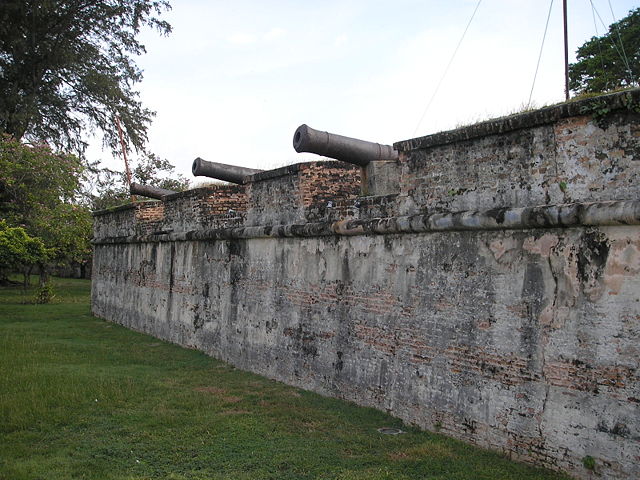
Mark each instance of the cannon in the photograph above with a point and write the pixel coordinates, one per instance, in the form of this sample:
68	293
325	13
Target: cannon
149	191
346	149
221	171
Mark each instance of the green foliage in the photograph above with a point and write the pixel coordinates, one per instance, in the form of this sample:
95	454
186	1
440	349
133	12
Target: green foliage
41	191
68	229
83	398
44	294
18	249
589	463
599	107
149	170
33	179
66	65
601	64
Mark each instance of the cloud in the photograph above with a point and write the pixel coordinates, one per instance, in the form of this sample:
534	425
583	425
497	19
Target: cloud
244	38
274	34
341	40
241	38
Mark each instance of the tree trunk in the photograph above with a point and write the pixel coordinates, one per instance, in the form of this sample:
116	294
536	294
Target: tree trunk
26	272
44	275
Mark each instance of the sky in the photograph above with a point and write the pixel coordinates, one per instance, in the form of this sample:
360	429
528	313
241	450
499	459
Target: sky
234	79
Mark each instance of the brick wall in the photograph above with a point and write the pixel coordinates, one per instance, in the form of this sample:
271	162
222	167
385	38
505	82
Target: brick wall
217	206
214	206
323	182
301	192
149	217
140	218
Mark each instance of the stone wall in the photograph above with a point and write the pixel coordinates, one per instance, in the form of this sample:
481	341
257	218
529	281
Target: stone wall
495	297
550	156
304	192
216	206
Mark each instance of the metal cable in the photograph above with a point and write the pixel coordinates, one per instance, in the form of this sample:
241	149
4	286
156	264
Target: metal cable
595	26
546	27
624	54
613	42
446	69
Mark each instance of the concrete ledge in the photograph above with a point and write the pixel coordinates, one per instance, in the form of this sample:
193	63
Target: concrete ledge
204	191
124	207
626	100
275	173
192	192
545	216
293	169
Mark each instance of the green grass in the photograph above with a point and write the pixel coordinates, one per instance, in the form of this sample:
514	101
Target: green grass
83	398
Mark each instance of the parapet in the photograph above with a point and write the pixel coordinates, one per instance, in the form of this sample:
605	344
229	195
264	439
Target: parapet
300	193
216	206
138	218
581	151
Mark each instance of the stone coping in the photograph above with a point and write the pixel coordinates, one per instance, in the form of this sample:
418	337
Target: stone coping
600	105
192	192
610	213
293	169
203	191
126	206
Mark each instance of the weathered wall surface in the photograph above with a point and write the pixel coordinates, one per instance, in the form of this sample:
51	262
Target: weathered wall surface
216	206
300	193
548	160
500	315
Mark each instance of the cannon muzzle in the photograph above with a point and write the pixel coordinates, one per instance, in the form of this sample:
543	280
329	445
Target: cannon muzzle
149	191
346	149
221	171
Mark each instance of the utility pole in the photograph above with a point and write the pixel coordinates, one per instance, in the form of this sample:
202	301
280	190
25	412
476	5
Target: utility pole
566	51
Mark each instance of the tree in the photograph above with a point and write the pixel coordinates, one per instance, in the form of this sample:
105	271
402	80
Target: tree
610	61
66	65
34	180
67	230
41	192
149	170
18	250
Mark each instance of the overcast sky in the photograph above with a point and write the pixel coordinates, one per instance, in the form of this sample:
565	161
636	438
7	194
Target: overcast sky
235	78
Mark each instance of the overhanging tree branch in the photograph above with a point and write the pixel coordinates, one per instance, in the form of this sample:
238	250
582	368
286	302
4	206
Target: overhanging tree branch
66	66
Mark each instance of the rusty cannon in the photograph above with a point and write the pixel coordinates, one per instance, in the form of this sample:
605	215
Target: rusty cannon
221	171
149	191
346	149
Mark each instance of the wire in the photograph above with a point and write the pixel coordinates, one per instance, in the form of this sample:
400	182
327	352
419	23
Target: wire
595	26
624	54
546	27
613	41
447	68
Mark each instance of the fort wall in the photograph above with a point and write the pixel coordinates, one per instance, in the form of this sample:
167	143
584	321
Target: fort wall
495	296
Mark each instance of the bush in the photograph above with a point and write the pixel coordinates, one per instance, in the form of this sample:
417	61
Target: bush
45	294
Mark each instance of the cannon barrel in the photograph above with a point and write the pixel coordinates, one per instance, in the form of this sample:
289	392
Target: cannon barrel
221	171
346	149
149	191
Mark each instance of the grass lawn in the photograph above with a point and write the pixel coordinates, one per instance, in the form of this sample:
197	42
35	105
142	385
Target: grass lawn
83	398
